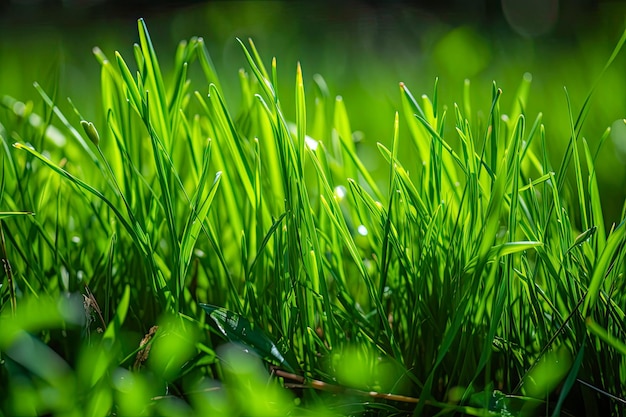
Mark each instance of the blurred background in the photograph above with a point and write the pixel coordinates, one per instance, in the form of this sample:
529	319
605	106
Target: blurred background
362	48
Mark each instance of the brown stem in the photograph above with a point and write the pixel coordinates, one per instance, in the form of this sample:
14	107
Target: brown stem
301	382
7	269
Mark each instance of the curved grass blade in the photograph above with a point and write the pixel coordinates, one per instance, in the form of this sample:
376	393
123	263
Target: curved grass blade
603	266
80	185
67	124
200	210
594	193
604	334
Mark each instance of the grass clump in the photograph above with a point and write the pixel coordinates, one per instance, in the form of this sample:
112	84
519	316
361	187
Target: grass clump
172	258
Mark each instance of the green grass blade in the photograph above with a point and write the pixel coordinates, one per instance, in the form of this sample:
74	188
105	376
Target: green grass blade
154	81
603	267
569	381
78	182
199	210
207	64
597	216
604	335
67	124
131	85
7	214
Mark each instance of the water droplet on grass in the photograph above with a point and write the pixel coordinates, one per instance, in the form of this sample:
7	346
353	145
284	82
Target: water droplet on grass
340	192
311	143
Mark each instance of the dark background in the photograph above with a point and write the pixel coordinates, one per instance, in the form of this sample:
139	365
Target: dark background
572	13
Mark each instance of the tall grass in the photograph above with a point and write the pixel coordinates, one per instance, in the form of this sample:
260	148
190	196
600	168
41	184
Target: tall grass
473	279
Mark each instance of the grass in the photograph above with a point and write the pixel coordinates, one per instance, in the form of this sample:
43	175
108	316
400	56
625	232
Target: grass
174	258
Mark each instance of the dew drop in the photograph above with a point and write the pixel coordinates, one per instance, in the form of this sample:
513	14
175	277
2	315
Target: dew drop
340	192
311	143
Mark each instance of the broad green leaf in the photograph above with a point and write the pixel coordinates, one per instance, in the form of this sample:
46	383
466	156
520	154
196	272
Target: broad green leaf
238	329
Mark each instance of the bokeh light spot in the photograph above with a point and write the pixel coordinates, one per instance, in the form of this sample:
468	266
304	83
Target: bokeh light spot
531	18
618	136
463	52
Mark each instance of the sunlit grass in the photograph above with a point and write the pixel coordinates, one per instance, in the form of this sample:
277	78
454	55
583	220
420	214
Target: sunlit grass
283	278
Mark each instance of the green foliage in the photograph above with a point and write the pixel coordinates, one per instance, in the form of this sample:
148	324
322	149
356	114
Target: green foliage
472	279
